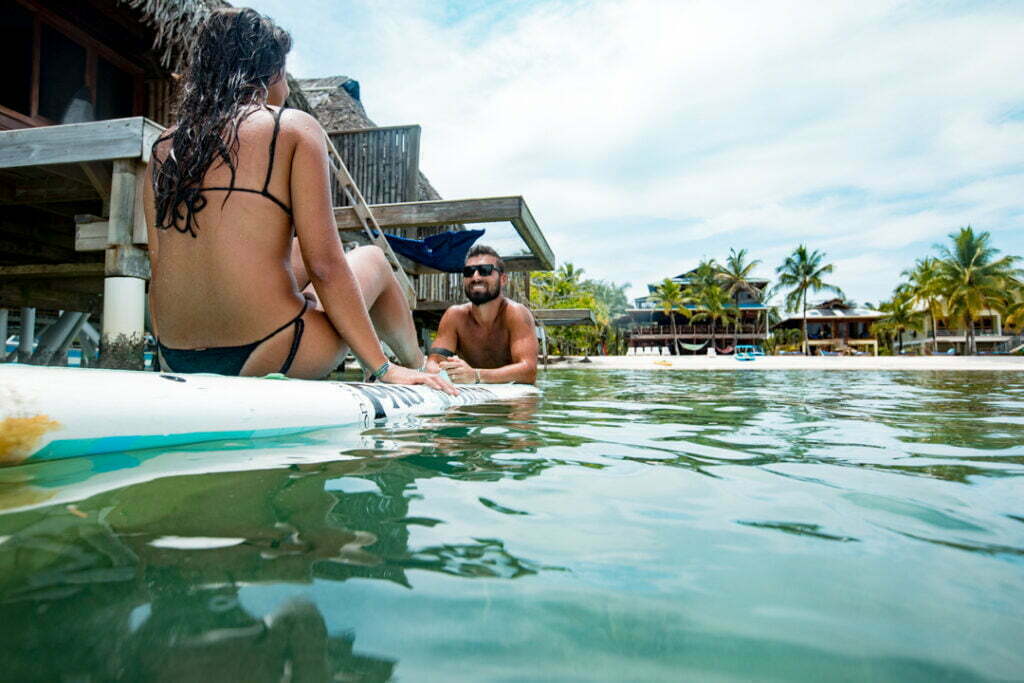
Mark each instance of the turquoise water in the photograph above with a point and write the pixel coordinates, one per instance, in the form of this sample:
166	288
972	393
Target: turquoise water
626	526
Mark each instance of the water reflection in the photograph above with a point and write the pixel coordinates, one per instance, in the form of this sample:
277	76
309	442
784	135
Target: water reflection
728	525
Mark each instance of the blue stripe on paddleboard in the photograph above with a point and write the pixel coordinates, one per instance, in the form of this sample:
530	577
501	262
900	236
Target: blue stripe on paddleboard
73	448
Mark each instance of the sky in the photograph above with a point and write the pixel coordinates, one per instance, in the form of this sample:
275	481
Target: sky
646	135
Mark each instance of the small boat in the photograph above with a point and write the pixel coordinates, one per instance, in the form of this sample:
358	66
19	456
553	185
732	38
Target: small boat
747	352
51	413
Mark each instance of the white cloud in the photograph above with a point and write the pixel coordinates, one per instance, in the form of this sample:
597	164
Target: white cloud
865	129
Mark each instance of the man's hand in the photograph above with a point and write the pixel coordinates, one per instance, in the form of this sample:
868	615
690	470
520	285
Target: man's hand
459	371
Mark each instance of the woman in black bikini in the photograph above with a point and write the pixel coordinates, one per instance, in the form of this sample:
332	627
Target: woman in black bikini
242	233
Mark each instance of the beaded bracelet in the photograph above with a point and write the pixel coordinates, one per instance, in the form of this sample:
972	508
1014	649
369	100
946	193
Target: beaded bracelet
378	374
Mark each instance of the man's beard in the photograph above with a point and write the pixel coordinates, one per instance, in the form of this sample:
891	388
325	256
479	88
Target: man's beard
478	298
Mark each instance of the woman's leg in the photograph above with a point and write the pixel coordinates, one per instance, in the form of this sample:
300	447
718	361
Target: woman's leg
386	303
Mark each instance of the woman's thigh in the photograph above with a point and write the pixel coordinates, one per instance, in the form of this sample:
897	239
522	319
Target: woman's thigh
372	271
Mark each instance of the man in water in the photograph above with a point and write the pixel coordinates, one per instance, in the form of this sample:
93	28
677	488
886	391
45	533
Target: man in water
490	339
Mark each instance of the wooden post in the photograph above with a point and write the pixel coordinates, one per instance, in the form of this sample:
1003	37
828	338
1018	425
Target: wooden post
3	334
26	334
544	344
126	269
425	339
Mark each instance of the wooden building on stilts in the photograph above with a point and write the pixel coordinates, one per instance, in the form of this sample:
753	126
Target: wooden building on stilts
90	86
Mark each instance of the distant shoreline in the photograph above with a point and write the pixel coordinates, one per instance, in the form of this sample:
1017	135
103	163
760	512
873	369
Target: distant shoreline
926	363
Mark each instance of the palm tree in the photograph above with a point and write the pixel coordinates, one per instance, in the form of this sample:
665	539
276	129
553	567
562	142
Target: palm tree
901	316
668	295
714	304
804	272
734	276
923	286
973	279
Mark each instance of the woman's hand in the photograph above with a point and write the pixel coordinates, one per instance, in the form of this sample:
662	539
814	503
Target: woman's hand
459	370
396	374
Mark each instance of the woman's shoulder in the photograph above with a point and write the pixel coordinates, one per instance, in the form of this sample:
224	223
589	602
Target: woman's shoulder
298	124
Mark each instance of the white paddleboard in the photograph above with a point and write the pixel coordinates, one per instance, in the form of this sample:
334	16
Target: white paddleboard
49	413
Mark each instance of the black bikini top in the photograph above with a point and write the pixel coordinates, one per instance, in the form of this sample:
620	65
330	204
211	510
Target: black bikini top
194	202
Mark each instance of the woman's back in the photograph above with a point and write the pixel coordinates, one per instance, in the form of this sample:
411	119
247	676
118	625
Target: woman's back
221	286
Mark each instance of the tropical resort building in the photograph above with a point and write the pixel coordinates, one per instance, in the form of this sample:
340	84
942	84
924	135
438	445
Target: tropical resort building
650	327
990	336
836	327
89	86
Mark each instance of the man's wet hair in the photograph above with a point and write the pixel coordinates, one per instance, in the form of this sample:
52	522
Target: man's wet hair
484	250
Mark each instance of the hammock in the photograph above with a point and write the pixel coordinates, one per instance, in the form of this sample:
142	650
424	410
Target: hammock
725	351
692	347
445	251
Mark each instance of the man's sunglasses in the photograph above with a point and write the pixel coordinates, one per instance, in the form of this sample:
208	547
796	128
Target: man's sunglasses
484	269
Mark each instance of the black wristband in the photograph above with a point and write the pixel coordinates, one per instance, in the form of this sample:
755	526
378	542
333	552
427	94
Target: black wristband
439	351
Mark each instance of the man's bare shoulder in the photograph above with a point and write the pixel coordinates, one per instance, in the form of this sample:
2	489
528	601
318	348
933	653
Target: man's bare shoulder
516	311
456	314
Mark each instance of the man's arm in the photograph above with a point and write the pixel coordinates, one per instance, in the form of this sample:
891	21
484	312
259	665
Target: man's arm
445	343
523	349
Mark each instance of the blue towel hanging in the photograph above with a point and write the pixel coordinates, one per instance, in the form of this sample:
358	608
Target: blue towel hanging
445	251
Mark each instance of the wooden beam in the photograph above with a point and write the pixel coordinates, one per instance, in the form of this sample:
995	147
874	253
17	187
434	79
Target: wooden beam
556	317
20	247
440	212
90	233
75	143
122	203
49	270
46	296
99	175
453	211
28	195
522	264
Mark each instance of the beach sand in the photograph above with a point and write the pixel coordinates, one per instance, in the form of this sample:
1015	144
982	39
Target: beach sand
930	363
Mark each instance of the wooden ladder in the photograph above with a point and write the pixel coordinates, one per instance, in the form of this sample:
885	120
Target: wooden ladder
362	210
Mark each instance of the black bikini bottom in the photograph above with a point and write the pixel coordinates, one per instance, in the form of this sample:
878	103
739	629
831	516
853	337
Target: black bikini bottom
229	360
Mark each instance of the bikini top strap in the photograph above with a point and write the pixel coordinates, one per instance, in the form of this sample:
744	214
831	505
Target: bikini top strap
273	150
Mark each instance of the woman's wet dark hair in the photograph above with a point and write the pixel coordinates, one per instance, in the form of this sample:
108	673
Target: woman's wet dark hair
237	55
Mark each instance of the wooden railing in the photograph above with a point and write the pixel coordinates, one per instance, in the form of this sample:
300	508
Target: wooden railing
384	162
962	333
690	330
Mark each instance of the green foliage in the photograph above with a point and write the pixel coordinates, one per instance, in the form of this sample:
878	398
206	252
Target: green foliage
713	304
964	280
973	279
901	317
566	288
670	298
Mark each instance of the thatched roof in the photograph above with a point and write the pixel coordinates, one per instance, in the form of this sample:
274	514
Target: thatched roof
175	23
329	97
